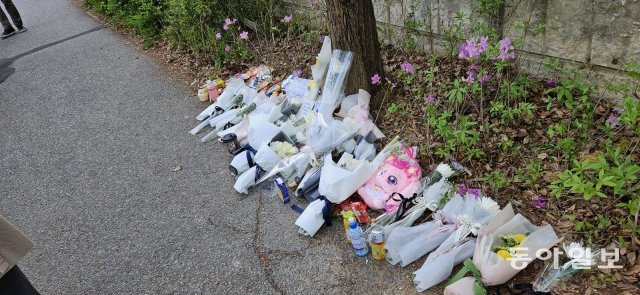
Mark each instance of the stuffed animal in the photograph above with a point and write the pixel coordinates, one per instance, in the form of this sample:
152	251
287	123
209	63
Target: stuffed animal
399	173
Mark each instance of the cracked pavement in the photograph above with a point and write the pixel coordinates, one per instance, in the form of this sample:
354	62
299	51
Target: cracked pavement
90	131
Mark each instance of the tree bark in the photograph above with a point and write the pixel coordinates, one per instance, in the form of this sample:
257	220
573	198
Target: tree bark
352	26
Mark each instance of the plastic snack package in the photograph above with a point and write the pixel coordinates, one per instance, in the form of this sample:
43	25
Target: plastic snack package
496	270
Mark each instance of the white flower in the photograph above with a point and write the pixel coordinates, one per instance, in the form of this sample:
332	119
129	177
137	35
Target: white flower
283	149
444	170
348	162
489	205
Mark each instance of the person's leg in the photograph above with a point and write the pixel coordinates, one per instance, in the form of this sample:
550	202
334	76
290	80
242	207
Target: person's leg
13	13
15	282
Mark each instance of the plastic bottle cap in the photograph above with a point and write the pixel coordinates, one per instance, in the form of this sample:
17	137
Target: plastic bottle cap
352	222
348	214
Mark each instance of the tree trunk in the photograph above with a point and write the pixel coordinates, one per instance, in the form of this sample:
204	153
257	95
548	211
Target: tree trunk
352	26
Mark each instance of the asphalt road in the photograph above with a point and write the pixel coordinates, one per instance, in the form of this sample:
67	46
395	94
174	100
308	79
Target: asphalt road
91	130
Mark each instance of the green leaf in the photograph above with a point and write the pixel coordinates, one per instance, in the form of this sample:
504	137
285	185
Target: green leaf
478	288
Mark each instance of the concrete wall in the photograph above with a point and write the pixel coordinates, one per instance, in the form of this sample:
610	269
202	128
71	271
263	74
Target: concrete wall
602	34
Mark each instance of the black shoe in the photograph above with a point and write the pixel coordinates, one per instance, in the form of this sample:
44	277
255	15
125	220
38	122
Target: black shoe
22	30
6	34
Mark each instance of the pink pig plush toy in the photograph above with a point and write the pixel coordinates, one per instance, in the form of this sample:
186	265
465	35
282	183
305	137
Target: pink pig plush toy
399	173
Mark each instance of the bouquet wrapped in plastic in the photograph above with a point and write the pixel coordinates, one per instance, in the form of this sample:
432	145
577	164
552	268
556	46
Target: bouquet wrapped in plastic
579	258
477	212
406	244
431	191
497	267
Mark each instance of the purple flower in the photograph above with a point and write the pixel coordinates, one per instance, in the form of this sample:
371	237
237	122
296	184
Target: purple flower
484	44
227	49
375	79
468	50
618	110
430	99
287	19
473	67
228	22
485	78
225	27
218	36
550	82
244	35
407	67
470	78
540	202
475	192
505	44
472	49
613	120
462	190
505	48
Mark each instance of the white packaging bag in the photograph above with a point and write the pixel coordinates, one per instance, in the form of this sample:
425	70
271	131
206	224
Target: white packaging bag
337	183
311	218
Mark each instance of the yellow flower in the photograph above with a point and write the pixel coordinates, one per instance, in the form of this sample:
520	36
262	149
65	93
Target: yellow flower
520	238
504	254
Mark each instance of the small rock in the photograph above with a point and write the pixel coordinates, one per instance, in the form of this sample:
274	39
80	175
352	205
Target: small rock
178	168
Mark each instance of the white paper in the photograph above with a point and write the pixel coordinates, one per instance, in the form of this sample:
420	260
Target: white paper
311	219
337	184
319	70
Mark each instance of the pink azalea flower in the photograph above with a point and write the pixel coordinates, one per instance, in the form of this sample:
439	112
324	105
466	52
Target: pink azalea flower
287	18
470	78
218	36
375	79
407	67
505	48
244	35
484	44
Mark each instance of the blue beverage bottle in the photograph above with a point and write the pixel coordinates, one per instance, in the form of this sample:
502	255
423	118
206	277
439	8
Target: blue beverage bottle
358	241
